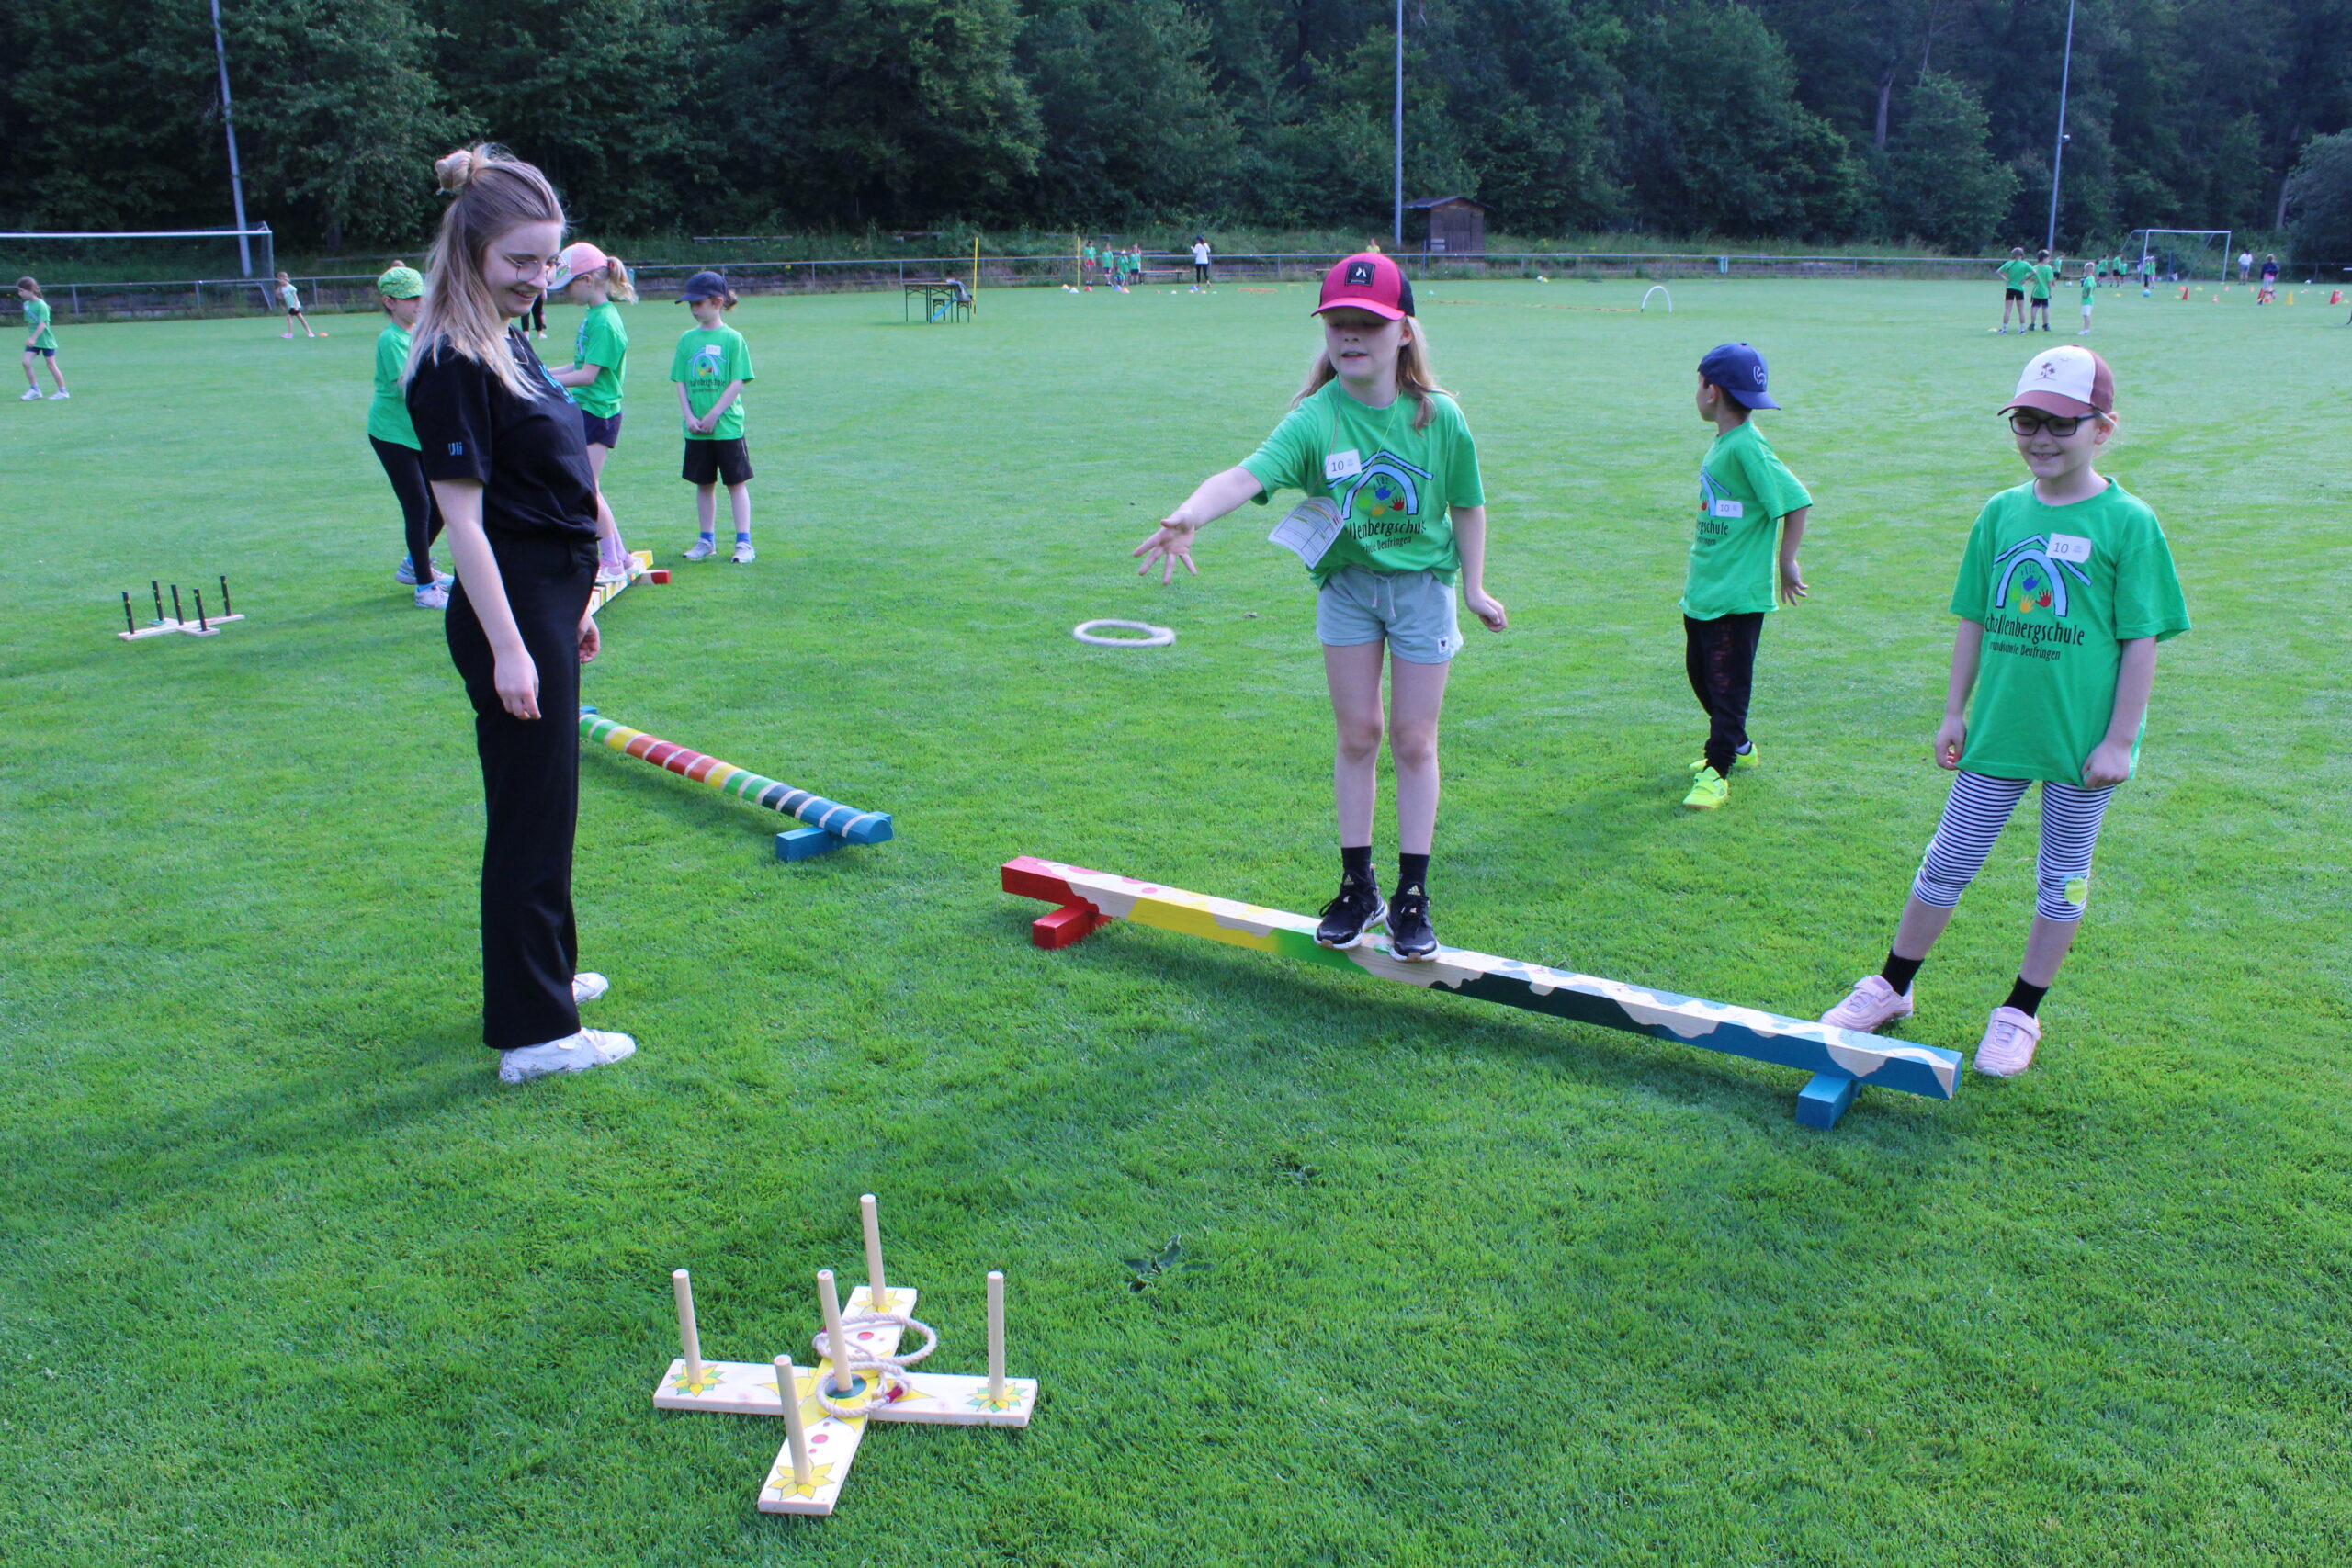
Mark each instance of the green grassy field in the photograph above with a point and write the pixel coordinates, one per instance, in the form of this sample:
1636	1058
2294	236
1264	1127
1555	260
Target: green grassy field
286	1277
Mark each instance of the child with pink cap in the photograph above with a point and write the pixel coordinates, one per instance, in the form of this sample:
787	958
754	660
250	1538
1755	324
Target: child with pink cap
1396	514
2066	586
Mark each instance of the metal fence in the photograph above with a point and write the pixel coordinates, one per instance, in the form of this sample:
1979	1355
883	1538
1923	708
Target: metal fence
357	292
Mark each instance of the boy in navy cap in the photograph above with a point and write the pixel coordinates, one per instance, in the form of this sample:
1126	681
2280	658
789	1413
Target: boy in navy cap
1744	491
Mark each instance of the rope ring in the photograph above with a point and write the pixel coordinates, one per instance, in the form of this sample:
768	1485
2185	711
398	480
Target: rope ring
1154	636
888	1372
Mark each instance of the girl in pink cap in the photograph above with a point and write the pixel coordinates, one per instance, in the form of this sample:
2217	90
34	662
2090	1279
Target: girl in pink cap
586	276
2066	588
1395	515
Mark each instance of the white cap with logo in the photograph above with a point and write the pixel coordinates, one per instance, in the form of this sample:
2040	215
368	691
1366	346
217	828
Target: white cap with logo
2065	381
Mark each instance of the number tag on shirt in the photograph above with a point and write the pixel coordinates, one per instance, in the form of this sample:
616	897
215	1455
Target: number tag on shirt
2069	546
1338	466
1730	509
1310	529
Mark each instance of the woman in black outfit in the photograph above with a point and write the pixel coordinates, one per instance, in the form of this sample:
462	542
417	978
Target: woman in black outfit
502	444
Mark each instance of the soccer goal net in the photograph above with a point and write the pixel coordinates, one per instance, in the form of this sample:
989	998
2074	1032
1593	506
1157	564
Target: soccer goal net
136	256
2181	255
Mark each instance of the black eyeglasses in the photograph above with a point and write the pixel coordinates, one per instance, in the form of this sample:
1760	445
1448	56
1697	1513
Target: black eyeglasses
2026	422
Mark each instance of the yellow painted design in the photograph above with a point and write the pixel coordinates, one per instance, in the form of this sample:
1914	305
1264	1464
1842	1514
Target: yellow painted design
2078	891
708	1380
1009	1400
782	1482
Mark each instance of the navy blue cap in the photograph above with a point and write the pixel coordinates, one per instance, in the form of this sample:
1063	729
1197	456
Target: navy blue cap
1739	371
705	285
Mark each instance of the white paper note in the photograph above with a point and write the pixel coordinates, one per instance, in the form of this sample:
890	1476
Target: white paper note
1310	529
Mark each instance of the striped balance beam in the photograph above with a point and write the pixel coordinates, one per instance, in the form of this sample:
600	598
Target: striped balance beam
640	567
830	824
1840	1061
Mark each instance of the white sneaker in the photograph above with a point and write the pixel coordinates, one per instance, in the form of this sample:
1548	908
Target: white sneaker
1872	1004
2006	1049
432	596
32	395
587	986
572	1054
744	555
406	575
701	549
60	395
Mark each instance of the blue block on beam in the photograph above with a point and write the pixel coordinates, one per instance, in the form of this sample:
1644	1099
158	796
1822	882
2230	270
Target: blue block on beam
800	843
1824	1099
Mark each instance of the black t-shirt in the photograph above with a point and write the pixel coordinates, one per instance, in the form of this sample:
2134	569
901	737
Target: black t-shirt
529	454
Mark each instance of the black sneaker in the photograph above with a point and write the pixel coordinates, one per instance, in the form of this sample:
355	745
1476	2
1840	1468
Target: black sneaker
1410	935
1356	910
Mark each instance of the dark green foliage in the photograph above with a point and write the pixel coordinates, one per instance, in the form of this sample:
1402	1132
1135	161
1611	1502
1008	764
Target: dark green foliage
1805	121
2320	200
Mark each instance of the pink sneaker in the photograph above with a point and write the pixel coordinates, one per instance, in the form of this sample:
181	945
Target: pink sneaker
1872	1004
2006	1049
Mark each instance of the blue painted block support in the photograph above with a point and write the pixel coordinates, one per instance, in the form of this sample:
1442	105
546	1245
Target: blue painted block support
800	843
1824	1099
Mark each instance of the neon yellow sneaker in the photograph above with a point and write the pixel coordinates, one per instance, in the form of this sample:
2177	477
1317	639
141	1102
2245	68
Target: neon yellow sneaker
1740	761
1709	790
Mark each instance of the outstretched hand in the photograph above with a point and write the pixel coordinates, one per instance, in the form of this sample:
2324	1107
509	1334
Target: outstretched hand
1171	543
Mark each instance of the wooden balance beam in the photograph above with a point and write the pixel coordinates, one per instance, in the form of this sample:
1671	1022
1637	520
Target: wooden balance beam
1840	1061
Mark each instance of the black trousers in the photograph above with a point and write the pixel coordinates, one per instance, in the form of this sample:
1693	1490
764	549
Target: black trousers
420	516
535	318
530	778
1720	656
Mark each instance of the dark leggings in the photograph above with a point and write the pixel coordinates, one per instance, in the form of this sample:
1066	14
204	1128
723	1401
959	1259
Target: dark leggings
530	776
1720	657
536	318
420	517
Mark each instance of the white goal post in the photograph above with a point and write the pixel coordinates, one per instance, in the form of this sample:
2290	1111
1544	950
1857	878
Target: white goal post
2177	251
80	244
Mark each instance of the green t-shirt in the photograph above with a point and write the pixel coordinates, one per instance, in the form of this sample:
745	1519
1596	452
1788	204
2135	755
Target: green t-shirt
1744	491
2058	591
2015	270
707	360
288	296
37	321
1394	483
2040	289
2090	286
388	410
602	340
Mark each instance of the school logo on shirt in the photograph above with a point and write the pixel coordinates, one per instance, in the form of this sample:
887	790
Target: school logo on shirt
2033	577
709	361
1718	509
1390	490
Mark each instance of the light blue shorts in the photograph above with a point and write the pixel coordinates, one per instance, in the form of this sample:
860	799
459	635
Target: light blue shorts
1414	610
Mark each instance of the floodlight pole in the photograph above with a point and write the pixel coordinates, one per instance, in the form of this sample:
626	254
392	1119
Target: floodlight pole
2058	155
228	123
1396	239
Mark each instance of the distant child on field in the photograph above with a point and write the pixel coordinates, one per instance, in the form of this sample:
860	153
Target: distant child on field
40	344
2066	585
1397	512
2091	289
711	366
586	276
392	433
2016	273
291	298
2038	290
1746	495
2269	294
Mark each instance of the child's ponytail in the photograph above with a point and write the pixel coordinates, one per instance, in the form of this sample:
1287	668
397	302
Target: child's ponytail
616	281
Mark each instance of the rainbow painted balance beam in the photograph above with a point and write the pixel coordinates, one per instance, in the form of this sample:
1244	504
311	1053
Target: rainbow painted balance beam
830	824
1840	1061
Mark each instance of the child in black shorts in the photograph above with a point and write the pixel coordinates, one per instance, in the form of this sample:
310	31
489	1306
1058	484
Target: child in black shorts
711	366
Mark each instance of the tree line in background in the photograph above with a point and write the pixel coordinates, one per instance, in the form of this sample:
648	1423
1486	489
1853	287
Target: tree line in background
1795	120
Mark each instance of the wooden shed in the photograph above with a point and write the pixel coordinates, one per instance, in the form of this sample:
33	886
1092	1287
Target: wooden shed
1457	225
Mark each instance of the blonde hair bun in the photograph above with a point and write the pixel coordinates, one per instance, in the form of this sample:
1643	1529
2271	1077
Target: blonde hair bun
457	171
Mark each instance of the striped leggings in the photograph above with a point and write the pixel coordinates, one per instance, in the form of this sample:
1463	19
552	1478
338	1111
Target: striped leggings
1980	808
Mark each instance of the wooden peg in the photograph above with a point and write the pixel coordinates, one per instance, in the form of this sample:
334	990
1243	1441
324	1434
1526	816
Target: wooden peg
684	1289
844	1382
877	1294
795	1436
996	1340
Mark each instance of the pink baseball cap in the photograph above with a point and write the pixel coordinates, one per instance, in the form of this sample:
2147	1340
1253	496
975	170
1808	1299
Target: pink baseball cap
579	260
2068	380
1368	281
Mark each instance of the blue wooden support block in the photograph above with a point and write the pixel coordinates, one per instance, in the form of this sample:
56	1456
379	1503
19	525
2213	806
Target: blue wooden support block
800	843
1824	1099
